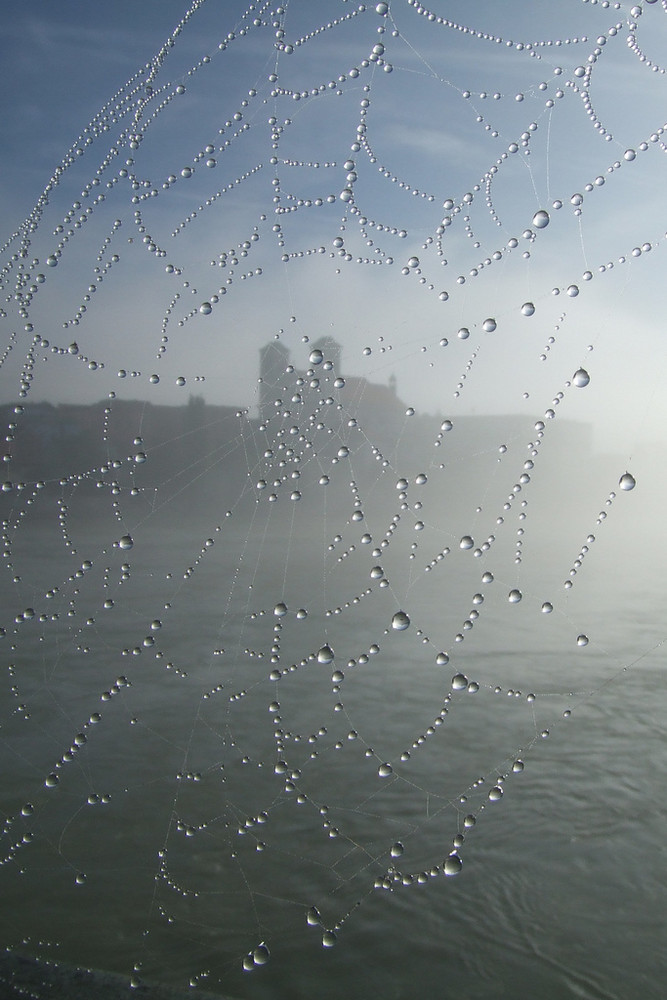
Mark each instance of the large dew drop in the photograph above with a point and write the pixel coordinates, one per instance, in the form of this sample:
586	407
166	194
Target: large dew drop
400	621
126	542
541	219
385	771
325	654
581	378
452	865
627	482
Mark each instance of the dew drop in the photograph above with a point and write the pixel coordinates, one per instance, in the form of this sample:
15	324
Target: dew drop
466	542
126	542
582	640
581	378
627	482
541	219
261	955
51	780
442	659
413	262
489	325
452	865
547	607
495	794
400	621
385	770
328	939
206	308
528	309
280	610
325	654
463	333
514	596
572	291
397	849
316	357
459	682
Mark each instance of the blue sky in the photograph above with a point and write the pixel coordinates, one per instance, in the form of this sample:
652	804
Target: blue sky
426	123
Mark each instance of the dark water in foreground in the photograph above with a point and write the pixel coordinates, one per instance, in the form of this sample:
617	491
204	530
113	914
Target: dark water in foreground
563	889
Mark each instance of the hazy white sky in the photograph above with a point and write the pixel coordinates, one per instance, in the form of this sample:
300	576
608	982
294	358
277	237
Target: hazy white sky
526	107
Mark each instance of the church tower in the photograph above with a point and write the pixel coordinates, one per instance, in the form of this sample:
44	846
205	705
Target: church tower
273	360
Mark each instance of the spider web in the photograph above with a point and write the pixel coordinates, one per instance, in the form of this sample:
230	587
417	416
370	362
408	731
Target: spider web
332	401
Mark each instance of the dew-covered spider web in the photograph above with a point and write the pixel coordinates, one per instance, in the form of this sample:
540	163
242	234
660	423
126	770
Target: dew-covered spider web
332	390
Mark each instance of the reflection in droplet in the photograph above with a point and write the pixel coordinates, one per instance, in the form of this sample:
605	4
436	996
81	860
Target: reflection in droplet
325	654
261	955
400	621
452	865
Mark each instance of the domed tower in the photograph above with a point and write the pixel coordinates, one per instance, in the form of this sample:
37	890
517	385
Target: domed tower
273	360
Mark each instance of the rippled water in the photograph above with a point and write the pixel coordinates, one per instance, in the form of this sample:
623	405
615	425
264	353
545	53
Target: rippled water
564	882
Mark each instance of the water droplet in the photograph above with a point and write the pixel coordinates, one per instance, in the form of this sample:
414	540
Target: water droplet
186	172
325	654
280	610
581	378
385	770
452	865
630	154
518	766
316	357
397	849
466	542
495	793
572	291
52	260
463	333
382	8
459	682
541	219
126	542
51	780
413	262
528	309
205	308
400	621
489	325
261	955
582	640
442	659
547	607
627	482
514	596
313	916
328	939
